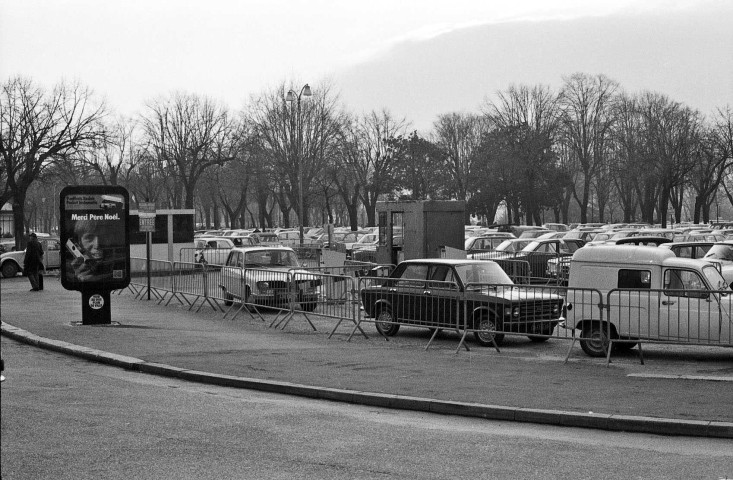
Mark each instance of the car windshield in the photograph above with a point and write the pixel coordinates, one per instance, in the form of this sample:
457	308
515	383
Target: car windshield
271	258
483	272
722	252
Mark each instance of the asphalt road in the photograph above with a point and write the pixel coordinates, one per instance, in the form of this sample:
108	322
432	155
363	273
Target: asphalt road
66	418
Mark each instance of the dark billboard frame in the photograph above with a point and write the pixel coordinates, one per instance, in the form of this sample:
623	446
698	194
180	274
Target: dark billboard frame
95	237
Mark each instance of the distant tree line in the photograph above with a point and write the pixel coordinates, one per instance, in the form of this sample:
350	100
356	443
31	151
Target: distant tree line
588	150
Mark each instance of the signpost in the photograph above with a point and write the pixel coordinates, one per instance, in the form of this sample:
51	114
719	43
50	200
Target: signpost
146	214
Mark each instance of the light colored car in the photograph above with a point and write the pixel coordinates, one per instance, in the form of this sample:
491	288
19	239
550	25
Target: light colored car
11	263
722	254
267	238
291	238
268	276
212	250
486	242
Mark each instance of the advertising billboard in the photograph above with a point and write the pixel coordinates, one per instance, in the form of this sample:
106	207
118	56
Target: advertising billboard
95	238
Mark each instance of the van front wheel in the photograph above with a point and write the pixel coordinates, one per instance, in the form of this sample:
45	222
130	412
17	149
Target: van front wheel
594	341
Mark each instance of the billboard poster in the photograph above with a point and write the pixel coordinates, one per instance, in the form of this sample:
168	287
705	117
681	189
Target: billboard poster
95	240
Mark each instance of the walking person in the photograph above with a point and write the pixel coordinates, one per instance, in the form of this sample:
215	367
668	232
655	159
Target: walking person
33	262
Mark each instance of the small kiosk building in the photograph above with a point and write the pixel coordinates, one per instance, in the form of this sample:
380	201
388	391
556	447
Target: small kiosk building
420	229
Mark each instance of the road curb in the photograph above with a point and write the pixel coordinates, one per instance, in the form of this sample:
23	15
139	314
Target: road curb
626	423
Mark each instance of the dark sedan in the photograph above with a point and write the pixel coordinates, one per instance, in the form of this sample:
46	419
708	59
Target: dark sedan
460	295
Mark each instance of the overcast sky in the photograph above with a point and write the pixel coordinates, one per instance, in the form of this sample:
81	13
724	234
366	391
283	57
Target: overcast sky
133	50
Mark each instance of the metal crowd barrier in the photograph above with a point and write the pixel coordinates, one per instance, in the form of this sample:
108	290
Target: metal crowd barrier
688	317
418	303
309	256
618	320
251	289
161	278
529	267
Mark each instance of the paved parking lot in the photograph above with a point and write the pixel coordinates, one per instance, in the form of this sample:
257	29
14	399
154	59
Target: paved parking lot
684	383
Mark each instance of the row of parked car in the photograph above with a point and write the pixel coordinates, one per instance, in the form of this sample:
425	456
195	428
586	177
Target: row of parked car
341	239
549	251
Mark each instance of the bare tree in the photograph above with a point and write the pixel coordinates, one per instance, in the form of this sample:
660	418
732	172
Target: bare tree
189	134
527	120
296	138
37	128
587	104
113	156
458	135
377	161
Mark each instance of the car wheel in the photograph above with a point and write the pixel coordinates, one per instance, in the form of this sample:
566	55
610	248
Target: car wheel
385	323
9	269
485	333
594	341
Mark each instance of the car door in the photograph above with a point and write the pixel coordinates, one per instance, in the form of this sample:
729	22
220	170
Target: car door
441	297
52	255
409	293
688	312
231	273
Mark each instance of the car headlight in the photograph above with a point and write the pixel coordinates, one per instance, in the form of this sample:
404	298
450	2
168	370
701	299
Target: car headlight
515	312
263	286
556	309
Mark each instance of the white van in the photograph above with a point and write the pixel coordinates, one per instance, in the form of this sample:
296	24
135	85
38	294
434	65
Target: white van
635	293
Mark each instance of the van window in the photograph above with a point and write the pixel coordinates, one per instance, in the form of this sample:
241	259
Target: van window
678	283
634	278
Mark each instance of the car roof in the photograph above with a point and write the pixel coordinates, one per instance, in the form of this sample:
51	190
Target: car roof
445	261
257	248
642	239
671	245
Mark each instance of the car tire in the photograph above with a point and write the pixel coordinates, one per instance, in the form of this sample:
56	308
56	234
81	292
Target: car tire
594	341
385	323
10	269
483	334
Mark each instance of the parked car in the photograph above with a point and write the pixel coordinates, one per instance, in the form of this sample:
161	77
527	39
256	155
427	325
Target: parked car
694	250
722	254
436	293
243	240
262	276
534	233
365	242
11	263
292	239
504	249
586	235
655	296
534	256
267	238
339	239
212	250
486	242
558	227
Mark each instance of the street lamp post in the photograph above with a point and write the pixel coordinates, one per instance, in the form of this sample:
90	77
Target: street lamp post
290	98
